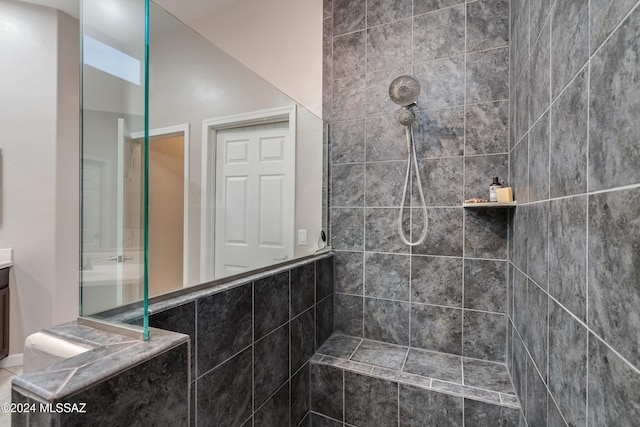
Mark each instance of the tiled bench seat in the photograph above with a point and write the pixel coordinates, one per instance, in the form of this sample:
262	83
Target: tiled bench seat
358	382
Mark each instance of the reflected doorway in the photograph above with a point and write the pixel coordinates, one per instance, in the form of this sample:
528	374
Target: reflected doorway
167	224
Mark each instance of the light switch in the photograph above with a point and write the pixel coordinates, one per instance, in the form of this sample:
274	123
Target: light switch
302	237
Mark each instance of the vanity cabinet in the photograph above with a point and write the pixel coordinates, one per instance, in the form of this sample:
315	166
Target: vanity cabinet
4	313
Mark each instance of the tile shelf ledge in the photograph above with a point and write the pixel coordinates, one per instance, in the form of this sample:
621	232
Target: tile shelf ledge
490	205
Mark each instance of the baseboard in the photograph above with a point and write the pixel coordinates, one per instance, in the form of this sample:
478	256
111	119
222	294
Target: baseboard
11	360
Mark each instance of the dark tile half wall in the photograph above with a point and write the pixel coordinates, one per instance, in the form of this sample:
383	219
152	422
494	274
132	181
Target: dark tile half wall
449	293
574	346
251	345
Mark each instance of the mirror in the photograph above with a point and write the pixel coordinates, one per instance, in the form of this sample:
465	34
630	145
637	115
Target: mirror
235	166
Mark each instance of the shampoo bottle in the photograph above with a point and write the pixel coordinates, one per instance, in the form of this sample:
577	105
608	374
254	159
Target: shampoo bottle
493	195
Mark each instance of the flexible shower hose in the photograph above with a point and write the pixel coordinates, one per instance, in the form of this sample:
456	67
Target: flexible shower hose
411	152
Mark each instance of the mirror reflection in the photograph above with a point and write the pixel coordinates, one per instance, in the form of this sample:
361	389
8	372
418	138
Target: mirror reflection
235	166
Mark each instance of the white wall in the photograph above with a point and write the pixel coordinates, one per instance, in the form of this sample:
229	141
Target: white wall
281	40
39	121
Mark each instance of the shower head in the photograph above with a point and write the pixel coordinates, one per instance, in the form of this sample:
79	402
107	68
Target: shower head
404	90
406	116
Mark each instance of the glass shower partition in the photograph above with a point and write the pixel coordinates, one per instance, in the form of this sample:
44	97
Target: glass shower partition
113	160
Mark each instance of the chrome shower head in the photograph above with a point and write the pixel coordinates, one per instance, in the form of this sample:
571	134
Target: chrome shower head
406	116
404	90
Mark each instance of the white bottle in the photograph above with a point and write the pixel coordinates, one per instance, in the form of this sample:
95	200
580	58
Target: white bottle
493	195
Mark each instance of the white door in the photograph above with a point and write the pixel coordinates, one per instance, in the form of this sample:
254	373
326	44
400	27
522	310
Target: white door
254	213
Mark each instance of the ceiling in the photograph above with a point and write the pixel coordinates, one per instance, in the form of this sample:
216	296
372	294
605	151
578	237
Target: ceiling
184	10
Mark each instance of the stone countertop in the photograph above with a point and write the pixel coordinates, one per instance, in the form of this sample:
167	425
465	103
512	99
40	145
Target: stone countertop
112	354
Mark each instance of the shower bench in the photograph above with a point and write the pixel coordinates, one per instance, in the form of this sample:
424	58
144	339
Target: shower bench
363	383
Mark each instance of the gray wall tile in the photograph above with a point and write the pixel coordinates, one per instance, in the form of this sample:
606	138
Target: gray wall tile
445	234
386	321
486	233
348	315
300	387
229	392
568	364
370	401
324	320
347	141
481	414
536	397
303	288
486	128
568	140
436	328
441	182
423	6
384	183
271	303
439	34
387	276
419	407
275	411
436	280
538	243
439	133
604	16
569	41
568	253
347	185
348	98
302	344
537	326
484	335
348	16
614	281
539	16
613	127
487	24
347	228
270	364
539	160
388	45
349	272
520	170
443	82
384	11
327	390
225	326
386	140
487	75
349	55
614	388
540	75
382	230
485	285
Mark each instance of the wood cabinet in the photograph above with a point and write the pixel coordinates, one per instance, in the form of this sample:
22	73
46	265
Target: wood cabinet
4	313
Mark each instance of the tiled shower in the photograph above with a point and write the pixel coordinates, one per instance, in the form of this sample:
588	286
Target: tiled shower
541	93
574	270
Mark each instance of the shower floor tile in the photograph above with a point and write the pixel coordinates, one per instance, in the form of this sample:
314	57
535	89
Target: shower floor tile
447	373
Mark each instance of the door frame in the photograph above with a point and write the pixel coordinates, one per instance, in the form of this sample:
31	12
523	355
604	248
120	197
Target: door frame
210	128
182	129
